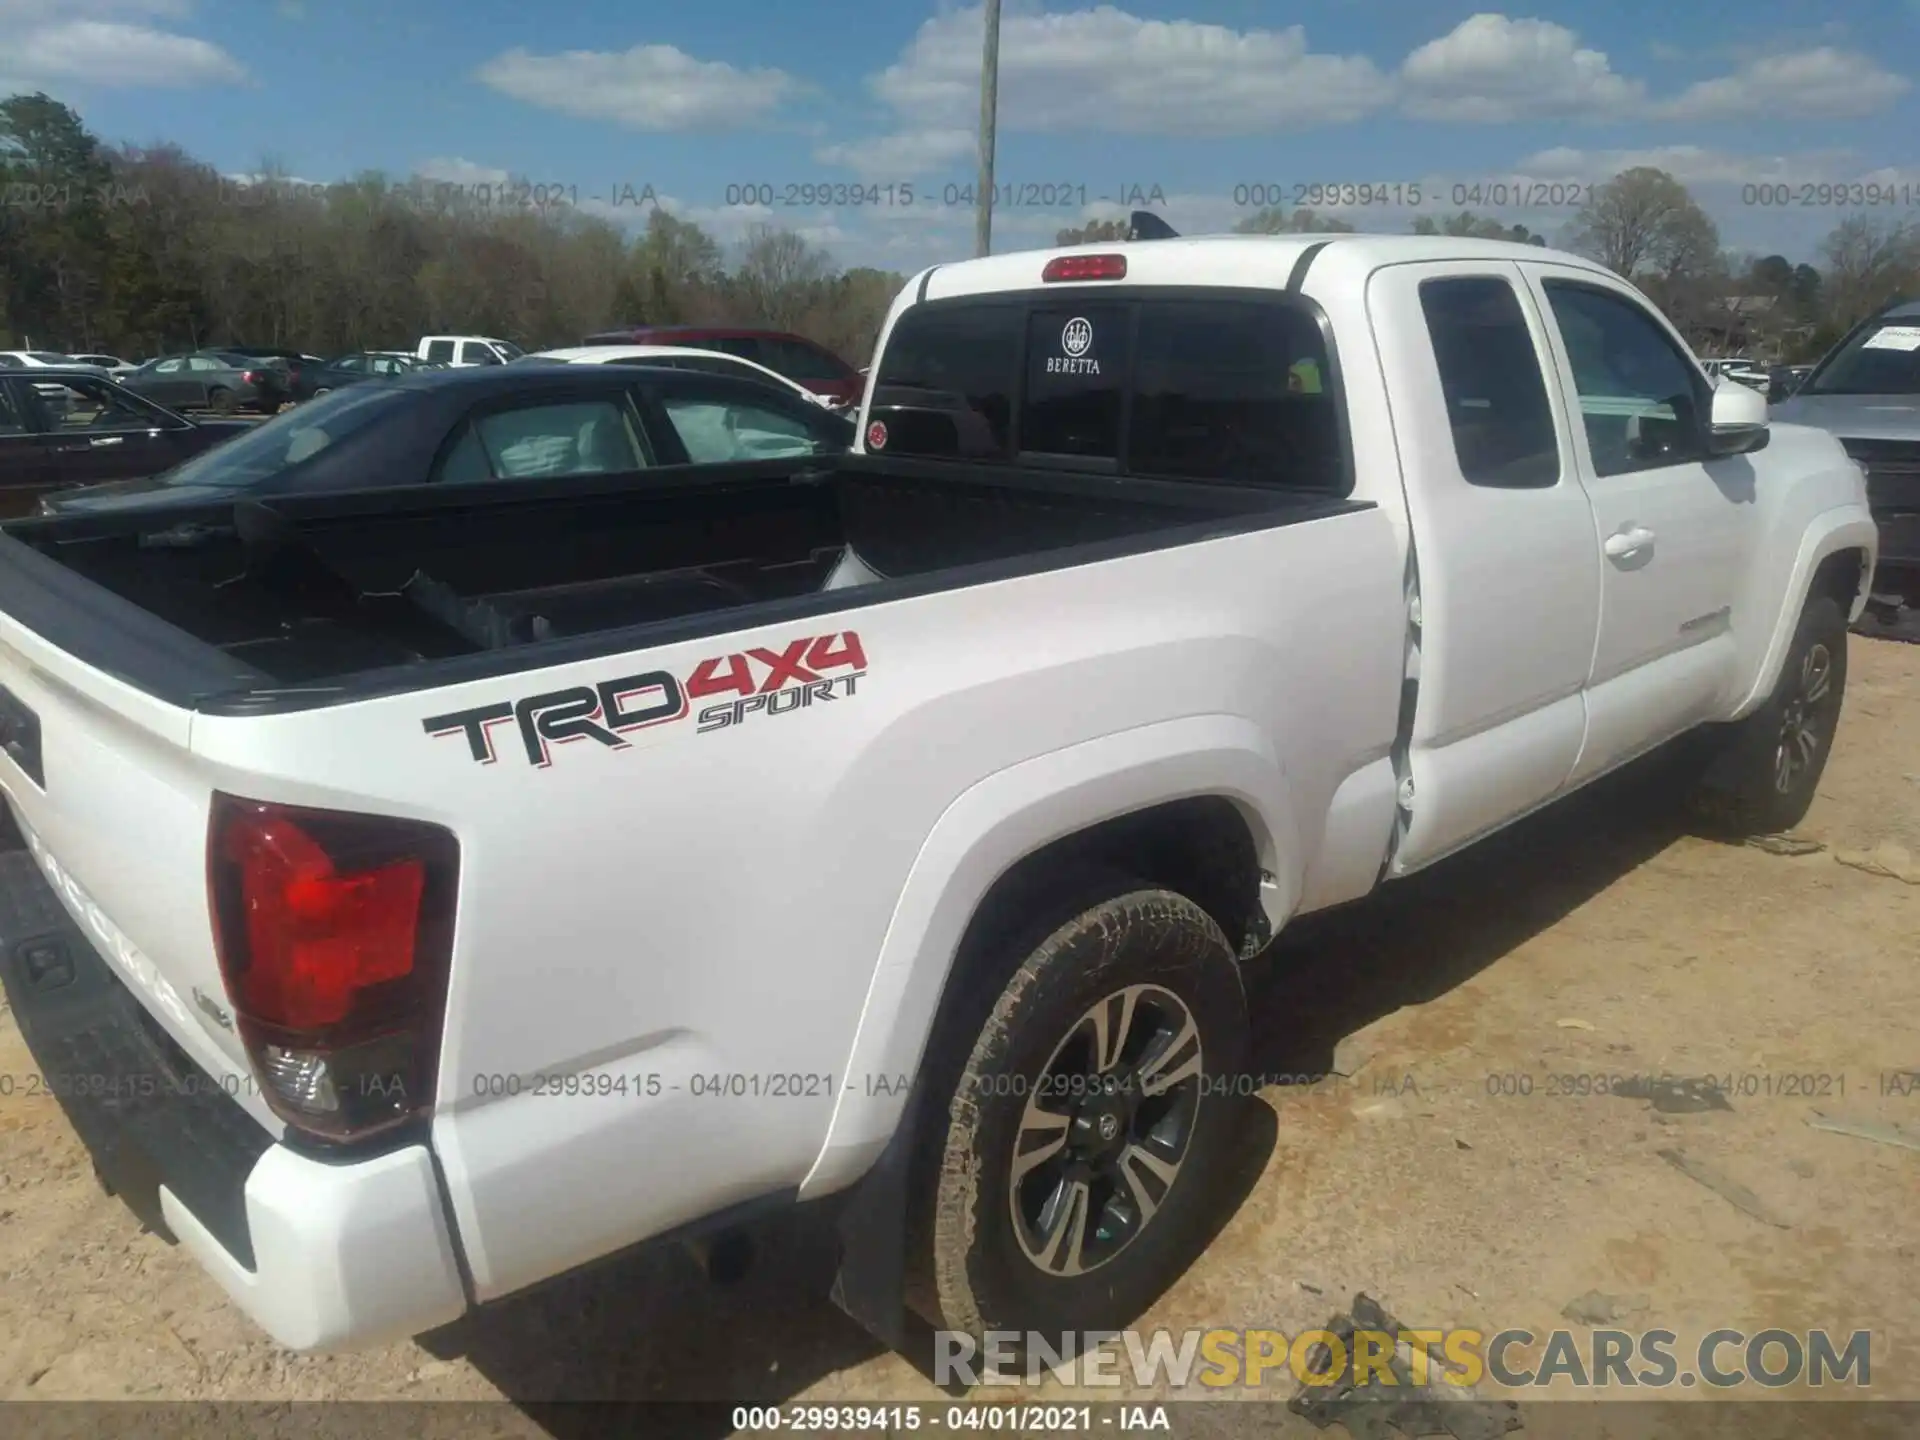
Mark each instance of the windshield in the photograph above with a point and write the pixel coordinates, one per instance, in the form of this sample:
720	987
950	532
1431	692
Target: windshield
1883	359
509	349
287	440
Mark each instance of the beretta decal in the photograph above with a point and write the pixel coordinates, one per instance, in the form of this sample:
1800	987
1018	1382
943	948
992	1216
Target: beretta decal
765	682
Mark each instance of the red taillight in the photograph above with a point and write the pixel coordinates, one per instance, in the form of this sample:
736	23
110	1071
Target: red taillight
334	933
1085	267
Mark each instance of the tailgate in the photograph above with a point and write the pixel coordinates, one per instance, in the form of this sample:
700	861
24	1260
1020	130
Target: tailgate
99	777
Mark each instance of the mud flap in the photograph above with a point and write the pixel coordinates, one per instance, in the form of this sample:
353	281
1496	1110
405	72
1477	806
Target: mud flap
870	1285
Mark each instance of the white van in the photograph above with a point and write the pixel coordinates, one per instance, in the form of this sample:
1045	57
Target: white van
466	350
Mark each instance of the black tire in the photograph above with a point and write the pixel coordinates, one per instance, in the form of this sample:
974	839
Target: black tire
1766	768
220	400
1100	942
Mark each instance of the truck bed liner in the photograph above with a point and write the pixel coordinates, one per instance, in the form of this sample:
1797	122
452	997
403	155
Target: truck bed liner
318	599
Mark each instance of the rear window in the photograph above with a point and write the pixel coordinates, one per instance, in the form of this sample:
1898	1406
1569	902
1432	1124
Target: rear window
288	440
1223	389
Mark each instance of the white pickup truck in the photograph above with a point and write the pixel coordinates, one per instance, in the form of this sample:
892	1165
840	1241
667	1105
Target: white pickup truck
436	906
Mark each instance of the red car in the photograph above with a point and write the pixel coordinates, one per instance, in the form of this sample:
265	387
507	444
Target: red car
797	358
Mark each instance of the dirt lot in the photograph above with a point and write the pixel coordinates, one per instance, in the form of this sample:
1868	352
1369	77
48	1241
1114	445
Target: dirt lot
1596	939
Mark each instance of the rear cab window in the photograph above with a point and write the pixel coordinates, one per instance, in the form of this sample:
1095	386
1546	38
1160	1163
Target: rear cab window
1217	386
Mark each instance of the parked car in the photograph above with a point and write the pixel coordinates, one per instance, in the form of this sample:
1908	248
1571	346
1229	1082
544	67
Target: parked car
351	369
463	426
794	356
221	380
295	362
112	364
460	351
674	357
1783	380
72	427
44	360
489	923
1866	391
1746	372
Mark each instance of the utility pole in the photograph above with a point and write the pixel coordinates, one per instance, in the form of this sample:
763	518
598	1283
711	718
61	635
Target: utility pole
989	113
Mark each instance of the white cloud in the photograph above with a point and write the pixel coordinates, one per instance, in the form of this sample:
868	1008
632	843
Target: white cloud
1104	70
1690	165
452	170
1490	69
50	45
901	155
1822	83
650	87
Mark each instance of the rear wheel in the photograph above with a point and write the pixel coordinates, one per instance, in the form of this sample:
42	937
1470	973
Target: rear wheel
1767	767
1090	1125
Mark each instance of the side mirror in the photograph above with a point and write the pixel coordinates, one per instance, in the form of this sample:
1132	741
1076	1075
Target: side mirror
1739	420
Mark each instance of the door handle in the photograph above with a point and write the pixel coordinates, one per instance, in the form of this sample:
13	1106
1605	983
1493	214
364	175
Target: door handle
1623	543
100	442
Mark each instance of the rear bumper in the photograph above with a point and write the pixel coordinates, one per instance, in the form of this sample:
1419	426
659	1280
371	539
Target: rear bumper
321	1255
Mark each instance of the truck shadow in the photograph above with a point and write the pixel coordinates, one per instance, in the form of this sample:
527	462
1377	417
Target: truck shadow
650	1327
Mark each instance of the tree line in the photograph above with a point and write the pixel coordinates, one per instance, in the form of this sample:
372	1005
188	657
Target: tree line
1644	224
130	251
139	251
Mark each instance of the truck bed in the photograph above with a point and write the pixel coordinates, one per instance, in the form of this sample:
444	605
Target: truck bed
304	600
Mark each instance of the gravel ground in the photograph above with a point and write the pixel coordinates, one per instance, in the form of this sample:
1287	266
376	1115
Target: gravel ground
1596	939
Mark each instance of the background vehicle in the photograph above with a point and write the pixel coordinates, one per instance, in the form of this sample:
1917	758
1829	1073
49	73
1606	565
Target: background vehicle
112	364
674	357
75	427
43	360
220	380
351	369
1866	391
1783	380
1745	372
463	350
294	362
794	356
467	426
964	782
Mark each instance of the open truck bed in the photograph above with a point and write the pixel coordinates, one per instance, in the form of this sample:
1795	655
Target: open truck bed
251	607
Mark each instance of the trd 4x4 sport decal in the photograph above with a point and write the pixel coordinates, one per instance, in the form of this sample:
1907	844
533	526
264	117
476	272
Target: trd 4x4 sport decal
766	682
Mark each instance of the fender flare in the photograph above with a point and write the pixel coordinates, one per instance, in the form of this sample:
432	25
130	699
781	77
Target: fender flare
1846	527
987	830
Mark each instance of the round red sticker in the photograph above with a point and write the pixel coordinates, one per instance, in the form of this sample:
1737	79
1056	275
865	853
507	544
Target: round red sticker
877	436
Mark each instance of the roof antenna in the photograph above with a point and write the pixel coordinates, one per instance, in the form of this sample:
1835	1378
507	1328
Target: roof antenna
1145	225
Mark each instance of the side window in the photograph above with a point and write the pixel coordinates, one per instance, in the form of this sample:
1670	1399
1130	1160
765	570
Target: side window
472	352
576	437
170	367
1076	381
946	382
1496	392
353	364
440	352
92	406
12	422
715	431
205	362
798	361
1235	391
1642	402
743	346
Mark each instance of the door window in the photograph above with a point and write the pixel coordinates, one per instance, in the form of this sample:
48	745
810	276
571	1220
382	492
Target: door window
352	364
205	363
798	361
715	431
473	352
1496	393
576	437
95	406
171	367
1641	401
12	422
440	352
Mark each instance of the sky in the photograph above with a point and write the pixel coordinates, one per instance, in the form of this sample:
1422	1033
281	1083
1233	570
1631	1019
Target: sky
737	112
